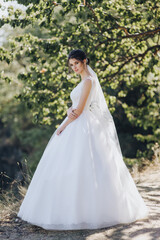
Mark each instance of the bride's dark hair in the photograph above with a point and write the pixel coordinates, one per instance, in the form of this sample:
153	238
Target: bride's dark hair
79	55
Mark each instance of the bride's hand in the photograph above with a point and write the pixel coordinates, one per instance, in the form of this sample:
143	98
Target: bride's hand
71	114
59	130
69	111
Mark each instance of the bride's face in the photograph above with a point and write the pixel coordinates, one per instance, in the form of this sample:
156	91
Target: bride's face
76	65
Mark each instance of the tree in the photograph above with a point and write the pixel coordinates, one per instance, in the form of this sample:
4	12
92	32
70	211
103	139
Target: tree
21	140
122	40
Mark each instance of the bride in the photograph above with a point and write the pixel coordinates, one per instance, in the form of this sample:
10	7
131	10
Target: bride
81	181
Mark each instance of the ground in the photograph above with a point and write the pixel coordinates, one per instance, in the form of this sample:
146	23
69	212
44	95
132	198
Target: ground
148	183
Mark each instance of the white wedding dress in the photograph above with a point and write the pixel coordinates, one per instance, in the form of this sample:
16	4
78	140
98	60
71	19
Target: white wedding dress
81	181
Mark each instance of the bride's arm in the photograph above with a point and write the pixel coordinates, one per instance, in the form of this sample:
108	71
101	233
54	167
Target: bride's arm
70	113
83	98
84	95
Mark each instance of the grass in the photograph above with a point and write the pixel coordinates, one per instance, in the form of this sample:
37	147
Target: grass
11	198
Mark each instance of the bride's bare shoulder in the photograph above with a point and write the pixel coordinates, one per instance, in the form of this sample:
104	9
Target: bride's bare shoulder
87	84
88	81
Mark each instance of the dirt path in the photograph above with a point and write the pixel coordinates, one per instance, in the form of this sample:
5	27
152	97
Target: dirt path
148	183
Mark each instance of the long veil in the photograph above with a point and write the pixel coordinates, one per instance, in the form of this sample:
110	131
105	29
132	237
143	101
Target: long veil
98	100
99	107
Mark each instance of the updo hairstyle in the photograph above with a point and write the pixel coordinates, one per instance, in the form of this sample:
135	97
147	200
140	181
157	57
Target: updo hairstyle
79	55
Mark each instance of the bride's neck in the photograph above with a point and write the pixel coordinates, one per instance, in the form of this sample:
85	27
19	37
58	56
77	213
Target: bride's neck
84	75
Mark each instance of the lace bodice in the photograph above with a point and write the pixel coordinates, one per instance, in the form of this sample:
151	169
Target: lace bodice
76	94
91	103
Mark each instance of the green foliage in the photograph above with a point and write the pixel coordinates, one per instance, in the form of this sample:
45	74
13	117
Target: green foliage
31	139
120	37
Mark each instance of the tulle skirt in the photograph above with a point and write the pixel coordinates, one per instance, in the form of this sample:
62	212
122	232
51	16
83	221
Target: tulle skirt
81	181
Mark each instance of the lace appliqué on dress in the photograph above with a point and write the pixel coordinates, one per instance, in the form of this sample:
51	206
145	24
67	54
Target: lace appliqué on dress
95	109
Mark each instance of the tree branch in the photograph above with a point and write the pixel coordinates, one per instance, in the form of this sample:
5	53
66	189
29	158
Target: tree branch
129	59
94	15
150	32
123	28
136	35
